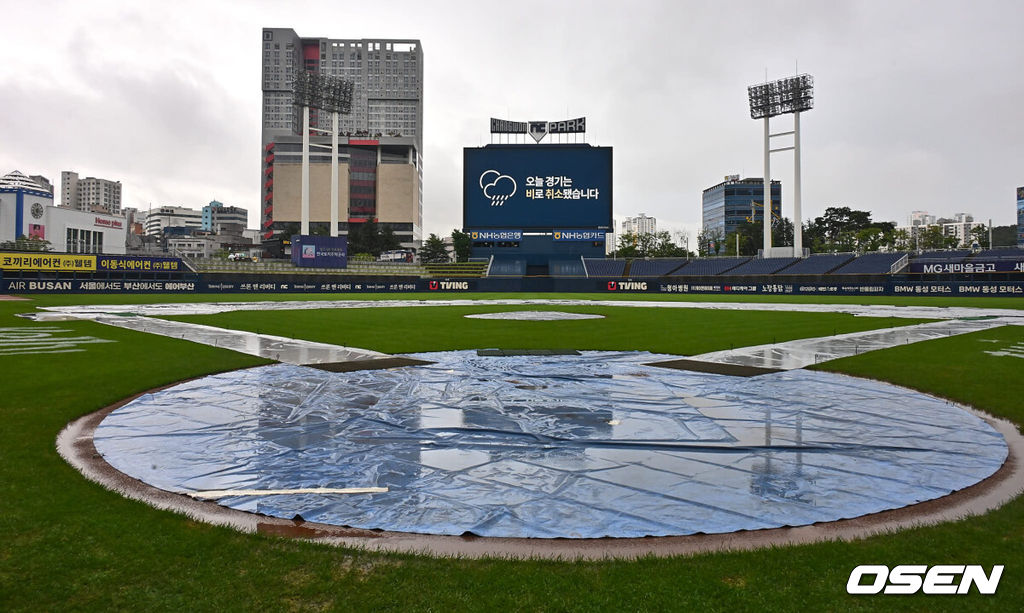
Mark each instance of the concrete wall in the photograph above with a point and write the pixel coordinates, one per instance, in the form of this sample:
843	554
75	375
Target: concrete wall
288	192
398	194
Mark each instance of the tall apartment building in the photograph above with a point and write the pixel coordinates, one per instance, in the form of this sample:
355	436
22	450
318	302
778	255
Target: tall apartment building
1020	217
641	224
380	143
736	201
90	194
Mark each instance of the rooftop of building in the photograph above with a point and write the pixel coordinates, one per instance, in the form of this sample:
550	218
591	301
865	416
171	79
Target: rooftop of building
746	181
16	180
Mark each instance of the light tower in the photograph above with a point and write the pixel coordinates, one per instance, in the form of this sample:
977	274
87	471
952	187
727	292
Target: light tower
790	95
328	93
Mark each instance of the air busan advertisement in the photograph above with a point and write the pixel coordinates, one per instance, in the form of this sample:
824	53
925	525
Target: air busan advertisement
537	187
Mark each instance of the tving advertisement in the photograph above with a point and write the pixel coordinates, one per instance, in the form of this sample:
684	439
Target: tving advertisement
537	187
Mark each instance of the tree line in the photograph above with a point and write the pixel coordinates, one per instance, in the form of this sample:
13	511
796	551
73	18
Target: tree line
842	229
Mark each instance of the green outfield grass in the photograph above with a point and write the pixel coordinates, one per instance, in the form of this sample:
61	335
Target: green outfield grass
966	301
67	544
676	331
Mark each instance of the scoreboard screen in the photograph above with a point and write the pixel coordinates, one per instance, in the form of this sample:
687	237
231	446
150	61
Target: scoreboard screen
537	187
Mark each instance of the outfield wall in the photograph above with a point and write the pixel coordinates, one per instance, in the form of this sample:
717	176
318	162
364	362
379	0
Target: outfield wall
899	285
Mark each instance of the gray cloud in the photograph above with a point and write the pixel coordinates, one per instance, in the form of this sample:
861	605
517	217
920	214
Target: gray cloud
917	104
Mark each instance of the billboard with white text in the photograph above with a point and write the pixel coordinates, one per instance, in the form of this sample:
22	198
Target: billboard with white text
537	187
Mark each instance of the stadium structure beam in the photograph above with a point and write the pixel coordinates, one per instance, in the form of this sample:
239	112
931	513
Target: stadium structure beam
330	93
767	100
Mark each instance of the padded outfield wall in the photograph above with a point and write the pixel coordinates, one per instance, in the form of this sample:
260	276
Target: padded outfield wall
899	285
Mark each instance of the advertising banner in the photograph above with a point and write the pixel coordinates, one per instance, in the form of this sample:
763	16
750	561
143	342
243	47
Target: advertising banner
55	262
130	263
578	235
320	251
972	267
496	235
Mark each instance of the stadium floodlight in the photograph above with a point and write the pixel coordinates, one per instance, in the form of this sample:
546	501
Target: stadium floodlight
767	100
321	91
329	93
790	95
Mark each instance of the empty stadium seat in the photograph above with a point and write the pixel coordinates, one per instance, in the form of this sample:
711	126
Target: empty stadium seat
818	264
871	263
701	267
762	266
655	268
605	268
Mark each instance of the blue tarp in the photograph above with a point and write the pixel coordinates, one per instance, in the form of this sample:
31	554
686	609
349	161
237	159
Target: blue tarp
551	446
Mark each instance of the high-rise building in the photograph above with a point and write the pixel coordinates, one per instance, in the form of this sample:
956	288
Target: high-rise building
641	224
1020	217
380	144
90	194
921	218
736	201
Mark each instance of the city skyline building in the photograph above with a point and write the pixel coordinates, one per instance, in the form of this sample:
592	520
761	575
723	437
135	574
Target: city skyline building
164	217
735	201
641	224
380	142
1020	217
90	194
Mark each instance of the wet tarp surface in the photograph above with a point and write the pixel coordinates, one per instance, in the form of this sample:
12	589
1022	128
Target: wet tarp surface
551	446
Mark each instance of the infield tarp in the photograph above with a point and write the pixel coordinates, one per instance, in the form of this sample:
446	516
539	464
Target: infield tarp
551	446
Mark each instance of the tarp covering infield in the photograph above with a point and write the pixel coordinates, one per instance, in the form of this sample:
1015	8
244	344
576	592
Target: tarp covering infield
594	445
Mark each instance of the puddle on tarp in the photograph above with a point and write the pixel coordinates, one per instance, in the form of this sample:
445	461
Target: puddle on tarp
552	446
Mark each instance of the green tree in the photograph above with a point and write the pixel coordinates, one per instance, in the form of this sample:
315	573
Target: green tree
463	244
1004	236
932	237
369	237
838	229
748	238
870	239
979	234
709	241
433	250
899	240
24	243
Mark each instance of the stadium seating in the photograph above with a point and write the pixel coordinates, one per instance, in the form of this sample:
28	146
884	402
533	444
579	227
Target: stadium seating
870	263
456	269
605	268
507	267
566	268
655	268
702	267
818	264
762	266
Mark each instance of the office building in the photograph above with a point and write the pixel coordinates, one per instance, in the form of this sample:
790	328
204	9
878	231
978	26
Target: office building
736	201
220	219
183	219
1020	217
380	143
90	194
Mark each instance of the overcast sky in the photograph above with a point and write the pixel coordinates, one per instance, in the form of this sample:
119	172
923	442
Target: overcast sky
918	105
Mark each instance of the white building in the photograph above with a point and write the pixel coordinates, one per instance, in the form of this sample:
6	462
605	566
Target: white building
961	229
641	224
27	209
172	217
90	194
